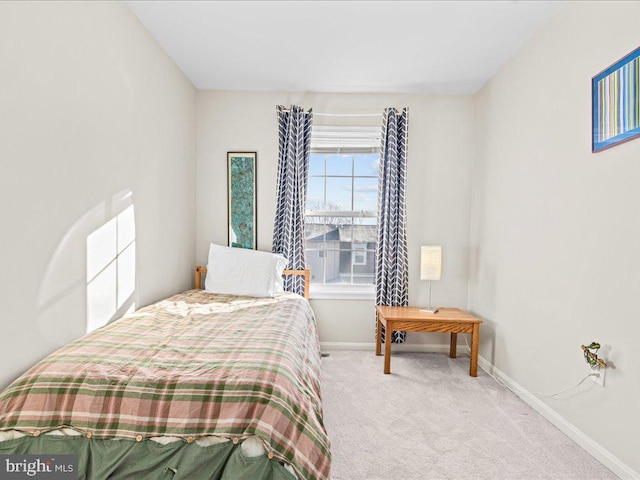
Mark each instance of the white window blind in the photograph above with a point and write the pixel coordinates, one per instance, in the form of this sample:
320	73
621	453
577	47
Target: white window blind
335	139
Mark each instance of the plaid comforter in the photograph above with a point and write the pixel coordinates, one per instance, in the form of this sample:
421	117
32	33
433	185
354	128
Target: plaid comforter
192	365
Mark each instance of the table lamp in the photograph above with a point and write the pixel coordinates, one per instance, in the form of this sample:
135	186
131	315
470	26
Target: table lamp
430	269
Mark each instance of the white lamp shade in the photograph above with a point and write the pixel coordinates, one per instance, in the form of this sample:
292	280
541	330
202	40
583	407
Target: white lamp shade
430	262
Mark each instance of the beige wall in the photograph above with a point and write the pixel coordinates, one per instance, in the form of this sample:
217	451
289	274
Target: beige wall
94	117
440	148
554	228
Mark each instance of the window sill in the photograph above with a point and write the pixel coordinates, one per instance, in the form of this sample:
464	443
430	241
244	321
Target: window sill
351	292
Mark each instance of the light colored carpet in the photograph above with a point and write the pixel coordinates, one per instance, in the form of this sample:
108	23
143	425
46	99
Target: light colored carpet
430	420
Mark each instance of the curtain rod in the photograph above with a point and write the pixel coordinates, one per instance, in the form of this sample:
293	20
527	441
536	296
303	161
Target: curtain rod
340	114
348	114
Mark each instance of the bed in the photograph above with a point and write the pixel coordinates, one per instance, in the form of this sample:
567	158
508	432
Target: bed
196	386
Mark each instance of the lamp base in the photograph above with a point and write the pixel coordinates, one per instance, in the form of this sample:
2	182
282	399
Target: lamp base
429	310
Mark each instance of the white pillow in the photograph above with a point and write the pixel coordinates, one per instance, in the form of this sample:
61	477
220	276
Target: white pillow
241	271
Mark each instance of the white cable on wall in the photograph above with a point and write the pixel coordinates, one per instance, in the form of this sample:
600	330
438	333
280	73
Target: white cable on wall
540	394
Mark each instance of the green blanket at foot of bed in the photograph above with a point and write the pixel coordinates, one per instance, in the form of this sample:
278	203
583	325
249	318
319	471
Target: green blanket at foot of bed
100	459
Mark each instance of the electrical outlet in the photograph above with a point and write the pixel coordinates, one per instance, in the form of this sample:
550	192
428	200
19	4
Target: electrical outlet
598	374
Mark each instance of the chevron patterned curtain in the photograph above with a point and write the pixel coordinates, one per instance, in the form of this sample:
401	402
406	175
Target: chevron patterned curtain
392	279
293	165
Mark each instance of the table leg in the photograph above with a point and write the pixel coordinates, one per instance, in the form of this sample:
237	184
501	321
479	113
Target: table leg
475	339
378	336
388	334
453	345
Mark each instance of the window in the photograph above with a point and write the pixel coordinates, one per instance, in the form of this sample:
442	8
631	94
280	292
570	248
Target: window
341	209
359	254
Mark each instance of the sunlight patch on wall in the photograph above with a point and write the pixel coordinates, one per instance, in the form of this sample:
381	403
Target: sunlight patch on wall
111	270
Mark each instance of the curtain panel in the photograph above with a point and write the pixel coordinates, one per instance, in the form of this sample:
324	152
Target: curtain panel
392	278
294	125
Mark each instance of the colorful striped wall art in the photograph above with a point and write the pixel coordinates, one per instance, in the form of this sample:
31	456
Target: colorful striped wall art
616	103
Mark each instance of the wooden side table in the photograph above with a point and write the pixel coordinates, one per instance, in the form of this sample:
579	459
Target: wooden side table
411	319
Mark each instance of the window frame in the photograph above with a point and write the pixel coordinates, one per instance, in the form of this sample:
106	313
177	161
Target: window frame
352	141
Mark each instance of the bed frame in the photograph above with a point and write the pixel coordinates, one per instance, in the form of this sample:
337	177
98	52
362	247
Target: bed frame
306	272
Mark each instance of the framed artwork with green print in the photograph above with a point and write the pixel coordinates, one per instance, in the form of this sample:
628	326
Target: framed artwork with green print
241	187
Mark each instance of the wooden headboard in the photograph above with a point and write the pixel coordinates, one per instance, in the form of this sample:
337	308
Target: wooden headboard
306	272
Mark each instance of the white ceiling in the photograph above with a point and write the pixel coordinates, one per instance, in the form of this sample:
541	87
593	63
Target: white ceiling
342	46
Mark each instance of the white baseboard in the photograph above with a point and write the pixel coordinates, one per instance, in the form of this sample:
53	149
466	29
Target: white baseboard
396	347
604	456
